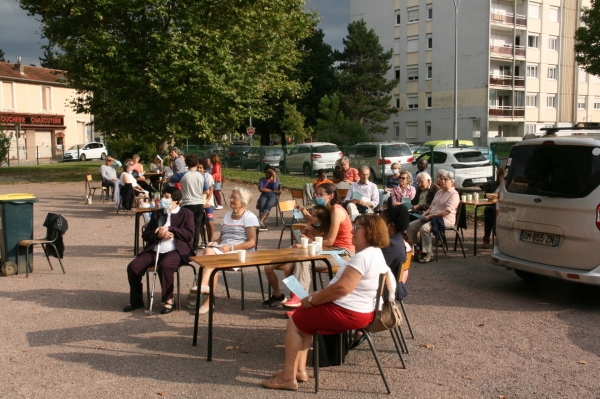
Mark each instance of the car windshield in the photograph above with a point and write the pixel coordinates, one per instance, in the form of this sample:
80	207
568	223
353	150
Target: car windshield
395	150
273	151
74	147
553	170
471	156
325	148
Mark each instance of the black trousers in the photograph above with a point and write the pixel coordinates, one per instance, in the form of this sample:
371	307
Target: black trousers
198	211
168	263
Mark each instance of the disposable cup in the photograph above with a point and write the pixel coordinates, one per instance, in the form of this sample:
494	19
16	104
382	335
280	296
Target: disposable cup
241	255
319	242
304	242
475	196
312	249
469	197
463	198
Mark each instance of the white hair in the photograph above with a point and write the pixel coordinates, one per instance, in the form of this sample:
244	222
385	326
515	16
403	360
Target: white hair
447	174
245	195
423	176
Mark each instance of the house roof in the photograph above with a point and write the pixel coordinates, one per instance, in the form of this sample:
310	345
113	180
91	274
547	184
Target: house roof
36	74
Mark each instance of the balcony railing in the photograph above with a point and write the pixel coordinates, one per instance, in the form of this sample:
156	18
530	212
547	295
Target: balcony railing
506	80
507	49
507	111
507	18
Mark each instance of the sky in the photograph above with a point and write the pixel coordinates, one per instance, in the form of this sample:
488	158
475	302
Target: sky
19	33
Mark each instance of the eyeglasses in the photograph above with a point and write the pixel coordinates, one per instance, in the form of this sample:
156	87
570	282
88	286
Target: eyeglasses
444	179
231	197
357	227
404	178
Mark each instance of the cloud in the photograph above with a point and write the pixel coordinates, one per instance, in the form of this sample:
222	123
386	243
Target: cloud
19	34
335	17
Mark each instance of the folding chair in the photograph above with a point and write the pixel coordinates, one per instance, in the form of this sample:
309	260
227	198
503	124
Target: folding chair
52	236
457	228
151	269
365	331
288	206
241	271
91	188
298	194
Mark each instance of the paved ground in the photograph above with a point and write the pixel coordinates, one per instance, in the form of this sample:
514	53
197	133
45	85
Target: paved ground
480	330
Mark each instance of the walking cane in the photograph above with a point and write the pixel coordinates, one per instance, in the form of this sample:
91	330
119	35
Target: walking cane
154	279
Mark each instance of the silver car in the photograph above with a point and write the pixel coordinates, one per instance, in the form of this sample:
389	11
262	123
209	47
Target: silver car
379	157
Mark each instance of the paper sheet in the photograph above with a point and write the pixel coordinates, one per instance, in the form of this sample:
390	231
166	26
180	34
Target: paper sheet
335	254
357	195
294	285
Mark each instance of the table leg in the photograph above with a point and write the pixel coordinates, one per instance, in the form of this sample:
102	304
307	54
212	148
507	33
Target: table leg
475	232
136	239
313	271
196	313
211	305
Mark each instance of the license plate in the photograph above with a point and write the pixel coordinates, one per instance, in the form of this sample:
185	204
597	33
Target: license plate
480	180
532	237
329	165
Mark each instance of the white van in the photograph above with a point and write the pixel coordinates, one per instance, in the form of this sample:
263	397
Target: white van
548	211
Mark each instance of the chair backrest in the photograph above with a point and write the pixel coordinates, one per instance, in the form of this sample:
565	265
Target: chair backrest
88	178
286	206
379	294
403	275
297	194
459	213
342	192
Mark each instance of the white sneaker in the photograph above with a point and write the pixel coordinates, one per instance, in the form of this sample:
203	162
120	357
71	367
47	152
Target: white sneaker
218	207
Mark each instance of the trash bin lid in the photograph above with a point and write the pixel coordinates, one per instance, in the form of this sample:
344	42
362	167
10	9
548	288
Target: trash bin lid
17	197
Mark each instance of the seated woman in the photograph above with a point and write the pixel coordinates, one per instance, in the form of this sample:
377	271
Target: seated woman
269	190
404	189
346	304
156	167
397	220
170	233
424	196
444	206
237	232
318	225
127	178
391	182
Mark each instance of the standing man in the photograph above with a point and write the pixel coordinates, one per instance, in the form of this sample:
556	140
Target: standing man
421	167
350	174
363	196
108	172
193	186
178	164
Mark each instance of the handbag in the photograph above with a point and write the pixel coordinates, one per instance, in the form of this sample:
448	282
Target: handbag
389	317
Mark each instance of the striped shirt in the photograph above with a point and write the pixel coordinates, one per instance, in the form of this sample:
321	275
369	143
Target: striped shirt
233	232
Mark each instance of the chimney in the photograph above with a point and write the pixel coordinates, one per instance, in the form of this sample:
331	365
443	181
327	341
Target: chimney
20	67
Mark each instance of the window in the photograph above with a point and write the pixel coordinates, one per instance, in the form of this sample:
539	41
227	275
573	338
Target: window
46	99
531	100
412	130
8	98
397	73
551	101
596	103
412	44
553	15
413	101
412	73
429	71
413	15
553	43
428	100
397	17
397	102
529	129
429	12
552	72
429	42
533	11
582	75
532	41
580	102
397	46
397	129
428	129
532	71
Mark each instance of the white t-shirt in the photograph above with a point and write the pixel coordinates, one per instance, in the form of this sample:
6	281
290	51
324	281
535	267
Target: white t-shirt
211	183
370	263
167	245
233	232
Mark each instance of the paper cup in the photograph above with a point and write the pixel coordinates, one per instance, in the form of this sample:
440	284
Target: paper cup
241	255
319	242
469	197
304	242
312	249
463	198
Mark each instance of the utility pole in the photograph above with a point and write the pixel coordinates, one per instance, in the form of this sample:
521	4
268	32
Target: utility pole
456	4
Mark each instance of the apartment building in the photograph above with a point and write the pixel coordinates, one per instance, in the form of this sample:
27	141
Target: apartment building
38	99
516	67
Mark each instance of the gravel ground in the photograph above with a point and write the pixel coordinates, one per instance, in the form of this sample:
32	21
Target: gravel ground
481	332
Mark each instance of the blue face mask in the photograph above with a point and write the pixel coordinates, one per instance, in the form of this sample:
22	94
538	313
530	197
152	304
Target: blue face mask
317	224
320	201
165	203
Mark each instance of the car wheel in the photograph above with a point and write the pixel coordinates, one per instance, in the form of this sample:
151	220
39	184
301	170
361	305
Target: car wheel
83	158
527	276
103	156
306	169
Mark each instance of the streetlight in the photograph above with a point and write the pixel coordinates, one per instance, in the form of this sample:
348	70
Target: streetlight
456	4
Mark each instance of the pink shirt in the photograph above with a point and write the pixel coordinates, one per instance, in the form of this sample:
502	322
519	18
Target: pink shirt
397	194
445	201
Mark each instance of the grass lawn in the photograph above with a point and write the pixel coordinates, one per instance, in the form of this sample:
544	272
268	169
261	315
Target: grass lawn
48	173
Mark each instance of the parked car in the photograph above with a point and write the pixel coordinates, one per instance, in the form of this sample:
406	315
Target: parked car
372	154
415	146
233	154
487	153
323	156
548	219
259	157
439	145
86	151
469	166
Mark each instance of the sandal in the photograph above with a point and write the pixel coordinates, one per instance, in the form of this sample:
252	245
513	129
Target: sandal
167	310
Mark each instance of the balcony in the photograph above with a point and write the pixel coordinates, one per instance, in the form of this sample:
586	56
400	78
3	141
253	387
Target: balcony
506	51
500	17
506	111
507	81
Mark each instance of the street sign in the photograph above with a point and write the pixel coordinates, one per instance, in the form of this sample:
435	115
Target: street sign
250	131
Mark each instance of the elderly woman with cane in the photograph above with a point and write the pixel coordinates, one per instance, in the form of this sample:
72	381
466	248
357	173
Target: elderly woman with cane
169	235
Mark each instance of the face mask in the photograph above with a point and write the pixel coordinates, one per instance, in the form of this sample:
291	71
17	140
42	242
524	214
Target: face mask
317	224
320	201
165	203
394	171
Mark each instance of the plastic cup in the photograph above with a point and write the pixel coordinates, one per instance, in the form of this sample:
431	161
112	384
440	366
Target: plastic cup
469	197
475	196
463	198
304	242
312	249
319	242
241	253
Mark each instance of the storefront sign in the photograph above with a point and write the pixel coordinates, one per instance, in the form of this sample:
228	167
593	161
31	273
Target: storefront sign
32	119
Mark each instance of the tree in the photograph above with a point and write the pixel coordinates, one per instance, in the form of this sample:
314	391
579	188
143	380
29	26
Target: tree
292	124
330	127
164	70
2	56
363	90
50	59
587	38
5	139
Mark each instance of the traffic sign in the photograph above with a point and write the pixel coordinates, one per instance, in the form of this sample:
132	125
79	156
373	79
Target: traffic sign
250	130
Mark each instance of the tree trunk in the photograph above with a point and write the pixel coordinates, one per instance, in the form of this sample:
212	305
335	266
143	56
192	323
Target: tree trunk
162	147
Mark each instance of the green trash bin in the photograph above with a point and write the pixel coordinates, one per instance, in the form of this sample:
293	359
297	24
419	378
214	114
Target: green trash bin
16	224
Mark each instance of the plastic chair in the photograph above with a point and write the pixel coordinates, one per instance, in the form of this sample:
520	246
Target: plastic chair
91	188
365	331
151	269
50	239
283	207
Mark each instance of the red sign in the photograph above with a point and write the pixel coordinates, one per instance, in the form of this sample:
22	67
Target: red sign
250	131
32	119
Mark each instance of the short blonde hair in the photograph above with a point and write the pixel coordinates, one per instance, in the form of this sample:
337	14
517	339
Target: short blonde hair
396	165
245	195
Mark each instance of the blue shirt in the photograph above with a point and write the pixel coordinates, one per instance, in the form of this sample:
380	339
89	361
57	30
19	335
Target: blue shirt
271	185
